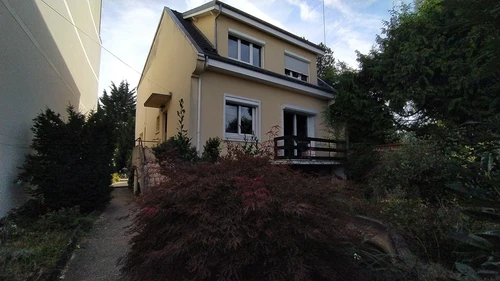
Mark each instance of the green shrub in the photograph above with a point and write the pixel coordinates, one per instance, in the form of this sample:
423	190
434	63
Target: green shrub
115	177
35	247
243	218
426	227
416	170
71	162
211	150
362	158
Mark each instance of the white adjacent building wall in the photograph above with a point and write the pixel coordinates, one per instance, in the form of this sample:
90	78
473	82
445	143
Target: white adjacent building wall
49	57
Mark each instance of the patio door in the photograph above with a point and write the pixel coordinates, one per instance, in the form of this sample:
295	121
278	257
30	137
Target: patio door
295	124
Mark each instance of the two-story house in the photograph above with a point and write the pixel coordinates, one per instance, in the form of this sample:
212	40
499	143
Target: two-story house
238	76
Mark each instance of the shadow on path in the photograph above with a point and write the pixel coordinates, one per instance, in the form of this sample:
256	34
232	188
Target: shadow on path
97	257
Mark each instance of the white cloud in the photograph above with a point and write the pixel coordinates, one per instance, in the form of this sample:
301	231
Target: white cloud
306	12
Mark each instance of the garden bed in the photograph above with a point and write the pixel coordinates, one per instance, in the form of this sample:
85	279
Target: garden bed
37	247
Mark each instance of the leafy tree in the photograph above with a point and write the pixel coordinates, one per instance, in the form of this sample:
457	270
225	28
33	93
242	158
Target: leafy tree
359	107
325	62
119	106
431	68
71	161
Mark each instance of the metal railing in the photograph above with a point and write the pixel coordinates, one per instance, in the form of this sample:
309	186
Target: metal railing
295	147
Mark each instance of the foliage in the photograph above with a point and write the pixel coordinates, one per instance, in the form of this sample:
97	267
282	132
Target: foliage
211	150
415	170
479	188
361	160
115	177
71	161
119	106
358	106
432	68
426	227
37	247
243	218
325	62
178	146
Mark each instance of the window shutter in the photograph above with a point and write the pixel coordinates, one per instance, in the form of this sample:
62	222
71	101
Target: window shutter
296	65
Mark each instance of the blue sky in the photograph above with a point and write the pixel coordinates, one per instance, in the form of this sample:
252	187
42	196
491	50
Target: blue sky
128	27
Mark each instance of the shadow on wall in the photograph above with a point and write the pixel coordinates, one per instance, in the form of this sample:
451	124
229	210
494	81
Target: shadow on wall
34	75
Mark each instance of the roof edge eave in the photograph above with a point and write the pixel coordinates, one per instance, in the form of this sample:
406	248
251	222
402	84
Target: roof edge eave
227	9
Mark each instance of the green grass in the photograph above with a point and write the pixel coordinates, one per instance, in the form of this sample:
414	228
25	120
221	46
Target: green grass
37	247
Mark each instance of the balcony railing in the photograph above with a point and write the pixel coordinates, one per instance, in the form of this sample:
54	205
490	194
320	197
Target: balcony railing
305	148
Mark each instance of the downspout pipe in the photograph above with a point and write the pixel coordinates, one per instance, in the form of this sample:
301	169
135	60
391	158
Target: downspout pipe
216	18
198	130
201	64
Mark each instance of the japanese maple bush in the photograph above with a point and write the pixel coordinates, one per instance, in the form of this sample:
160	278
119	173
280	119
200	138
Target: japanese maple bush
243	218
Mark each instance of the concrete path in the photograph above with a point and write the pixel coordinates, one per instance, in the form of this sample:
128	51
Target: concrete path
97	257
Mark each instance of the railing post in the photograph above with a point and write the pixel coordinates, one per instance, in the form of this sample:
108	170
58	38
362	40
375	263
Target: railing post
275	148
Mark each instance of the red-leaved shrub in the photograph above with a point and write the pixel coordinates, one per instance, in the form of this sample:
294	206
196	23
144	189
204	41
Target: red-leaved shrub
243	218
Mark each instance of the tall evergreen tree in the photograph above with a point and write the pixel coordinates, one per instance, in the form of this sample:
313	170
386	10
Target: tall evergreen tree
436	64
119	106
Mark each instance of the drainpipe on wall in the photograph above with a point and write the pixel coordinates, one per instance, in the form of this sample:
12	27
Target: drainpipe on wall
216	18
198	132
201	64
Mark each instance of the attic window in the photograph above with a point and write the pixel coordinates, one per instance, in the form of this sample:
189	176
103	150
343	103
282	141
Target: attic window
244	51
296	66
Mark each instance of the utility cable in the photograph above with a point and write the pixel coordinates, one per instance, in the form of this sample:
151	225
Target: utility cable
104	48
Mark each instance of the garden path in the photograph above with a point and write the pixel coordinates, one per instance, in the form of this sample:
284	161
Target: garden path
98	254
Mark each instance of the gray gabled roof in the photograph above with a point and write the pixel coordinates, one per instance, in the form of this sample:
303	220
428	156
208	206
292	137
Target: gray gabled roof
204	46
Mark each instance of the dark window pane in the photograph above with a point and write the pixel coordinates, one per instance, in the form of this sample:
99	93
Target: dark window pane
231	118
288	72
246	120
245	51
288	123
256	55
301	125
303	77
295	74
233	47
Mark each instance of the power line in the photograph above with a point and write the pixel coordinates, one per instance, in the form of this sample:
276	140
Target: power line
100	44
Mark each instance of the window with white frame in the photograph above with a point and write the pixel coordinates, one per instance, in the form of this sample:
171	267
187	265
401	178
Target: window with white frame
240	118
245	51
297	66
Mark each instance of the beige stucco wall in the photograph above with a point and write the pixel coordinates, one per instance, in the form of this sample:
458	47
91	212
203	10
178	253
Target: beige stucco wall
273	50
272	99
169	68
206	24
45	62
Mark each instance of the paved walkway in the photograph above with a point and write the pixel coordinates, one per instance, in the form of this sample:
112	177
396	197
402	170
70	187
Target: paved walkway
96	259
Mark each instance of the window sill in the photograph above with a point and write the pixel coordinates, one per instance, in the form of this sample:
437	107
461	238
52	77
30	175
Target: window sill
243	62
249	138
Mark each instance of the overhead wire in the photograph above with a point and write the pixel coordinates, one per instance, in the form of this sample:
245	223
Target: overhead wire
104	48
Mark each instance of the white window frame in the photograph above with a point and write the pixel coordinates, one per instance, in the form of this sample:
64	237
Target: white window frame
252	42
311	120
299	74
255	104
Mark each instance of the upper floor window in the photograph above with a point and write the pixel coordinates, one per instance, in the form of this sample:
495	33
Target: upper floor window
244	51
296	66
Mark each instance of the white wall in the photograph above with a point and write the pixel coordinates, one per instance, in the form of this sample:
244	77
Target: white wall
44	62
